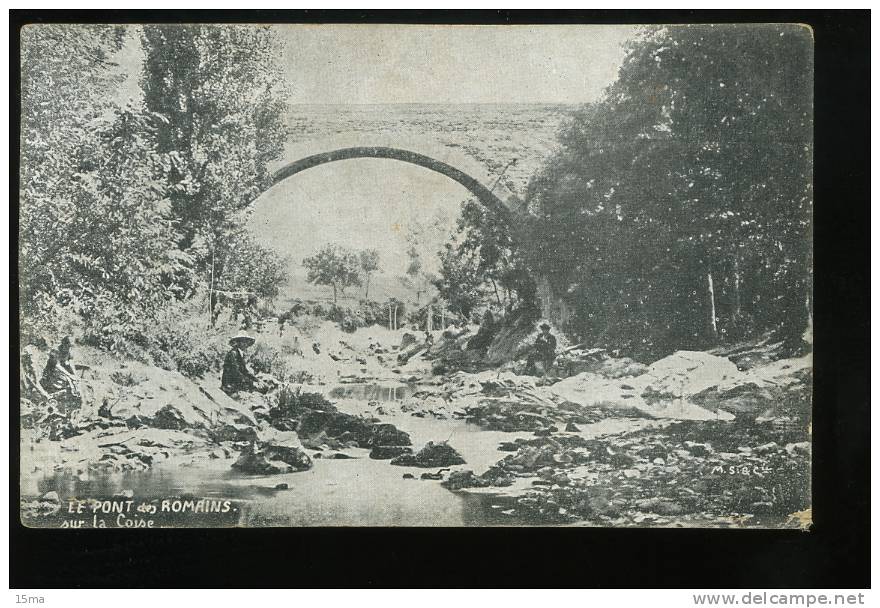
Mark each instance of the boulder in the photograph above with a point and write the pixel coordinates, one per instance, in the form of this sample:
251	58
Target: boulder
595	361
592	390
269	459
432	455
231	431
687	373
335	424
779	388
662	392
531	458
407	340
388	435
458	480
411	351
257	463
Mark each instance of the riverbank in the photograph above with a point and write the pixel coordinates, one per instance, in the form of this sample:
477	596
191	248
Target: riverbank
689	440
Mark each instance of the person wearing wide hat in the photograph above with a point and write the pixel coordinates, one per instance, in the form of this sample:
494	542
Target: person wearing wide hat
544	349
236	375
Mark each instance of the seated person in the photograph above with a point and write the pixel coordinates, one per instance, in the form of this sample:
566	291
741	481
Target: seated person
544	351
29	382
236	375
59	379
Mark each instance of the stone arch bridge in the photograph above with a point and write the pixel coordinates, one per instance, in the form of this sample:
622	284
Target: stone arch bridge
485	195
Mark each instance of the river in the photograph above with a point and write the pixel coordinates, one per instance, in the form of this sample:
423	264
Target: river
357	491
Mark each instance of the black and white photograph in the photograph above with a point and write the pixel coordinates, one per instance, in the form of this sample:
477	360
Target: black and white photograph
376	275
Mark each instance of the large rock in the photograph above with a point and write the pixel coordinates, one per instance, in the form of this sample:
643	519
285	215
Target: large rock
234	432
459	480
388	434
687	385
432	455
257	463
686	373
778	388
664	391
154	397
122	449
407	340
264	458
336	424
607	367
409	352
593	390
365	432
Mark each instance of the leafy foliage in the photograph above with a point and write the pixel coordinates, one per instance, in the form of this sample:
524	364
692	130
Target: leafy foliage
96	233
248	266
458	283
334	266
482	266
687	189
220	88
122	205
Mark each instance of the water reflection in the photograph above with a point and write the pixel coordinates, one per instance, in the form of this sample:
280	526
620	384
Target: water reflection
355	492
372	392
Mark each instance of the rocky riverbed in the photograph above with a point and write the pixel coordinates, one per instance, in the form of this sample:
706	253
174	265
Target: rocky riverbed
693	439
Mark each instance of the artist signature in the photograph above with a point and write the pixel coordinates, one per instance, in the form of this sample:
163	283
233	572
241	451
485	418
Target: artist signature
758	470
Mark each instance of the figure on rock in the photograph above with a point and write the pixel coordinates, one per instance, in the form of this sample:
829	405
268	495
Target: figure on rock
236	375
544	351
59	377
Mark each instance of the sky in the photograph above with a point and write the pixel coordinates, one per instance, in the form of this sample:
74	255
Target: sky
362	204
338	64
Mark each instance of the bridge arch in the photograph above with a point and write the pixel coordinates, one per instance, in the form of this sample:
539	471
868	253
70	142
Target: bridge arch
481	192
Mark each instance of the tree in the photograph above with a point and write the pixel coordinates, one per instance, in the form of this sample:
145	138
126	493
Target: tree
65	85
482	265
251	267
369	259
220	88
96	234
459	282
677	210
334	266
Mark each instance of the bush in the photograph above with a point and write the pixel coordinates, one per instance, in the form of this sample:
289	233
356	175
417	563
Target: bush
112	332
267	359
291	403
177	339
179	344
374	313
349	318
